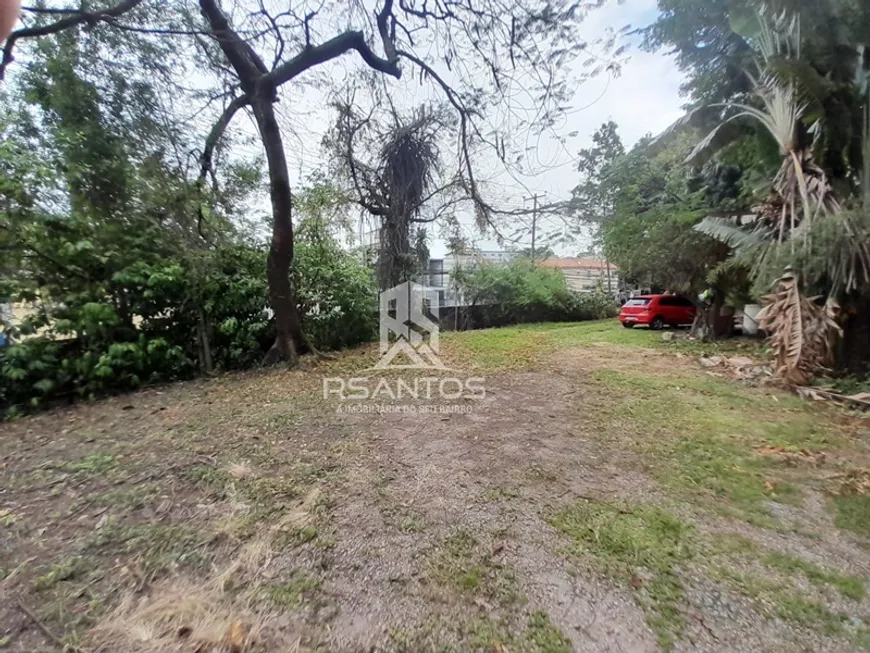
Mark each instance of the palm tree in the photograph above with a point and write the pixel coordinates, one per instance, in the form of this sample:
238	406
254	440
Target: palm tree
800	190
801	333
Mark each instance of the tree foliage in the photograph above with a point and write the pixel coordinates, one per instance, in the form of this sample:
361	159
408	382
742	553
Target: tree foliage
657	203
103	248
804	77
498	295
477	56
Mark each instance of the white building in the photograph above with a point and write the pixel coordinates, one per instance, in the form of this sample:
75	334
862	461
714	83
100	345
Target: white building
440	269
585	275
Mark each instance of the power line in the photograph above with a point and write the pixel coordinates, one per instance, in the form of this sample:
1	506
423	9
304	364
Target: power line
534	198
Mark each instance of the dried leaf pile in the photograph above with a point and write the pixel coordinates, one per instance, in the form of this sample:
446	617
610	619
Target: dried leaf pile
857	481
794	457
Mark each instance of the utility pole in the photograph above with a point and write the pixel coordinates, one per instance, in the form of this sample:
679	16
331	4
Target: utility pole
534	198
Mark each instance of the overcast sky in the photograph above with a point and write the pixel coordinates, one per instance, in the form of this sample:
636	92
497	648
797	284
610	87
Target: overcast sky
643	99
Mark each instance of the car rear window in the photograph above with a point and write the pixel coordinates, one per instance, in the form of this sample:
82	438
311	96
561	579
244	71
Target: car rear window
637	302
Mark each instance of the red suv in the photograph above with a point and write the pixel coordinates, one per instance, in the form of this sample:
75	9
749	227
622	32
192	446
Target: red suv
657	311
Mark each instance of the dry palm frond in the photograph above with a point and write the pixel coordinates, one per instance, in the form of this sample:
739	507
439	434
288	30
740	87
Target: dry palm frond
802	333
804	191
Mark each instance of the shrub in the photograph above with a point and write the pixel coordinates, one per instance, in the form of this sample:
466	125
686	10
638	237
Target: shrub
337	292
153	321
524	292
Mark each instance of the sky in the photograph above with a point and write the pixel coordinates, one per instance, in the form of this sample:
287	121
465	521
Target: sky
644	98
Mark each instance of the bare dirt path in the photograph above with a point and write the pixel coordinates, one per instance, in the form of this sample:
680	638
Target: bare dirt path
487	475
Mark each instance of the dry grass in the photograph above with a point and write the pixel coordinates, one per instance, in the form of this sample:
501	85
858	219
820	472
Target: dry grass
221	613
240	470
180	615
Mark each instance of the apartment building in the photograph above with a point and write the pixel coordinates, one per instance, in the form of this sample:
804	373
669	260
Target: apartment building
585	275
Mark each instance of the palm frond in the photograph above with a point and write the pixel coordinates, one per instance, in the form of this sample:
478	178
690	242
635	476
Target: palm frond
802	333
720	136
727	231
779	34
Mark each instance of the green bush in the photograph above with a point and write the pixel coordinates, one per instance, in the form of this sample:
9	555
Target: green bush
498	295
41	369
337	293
147	322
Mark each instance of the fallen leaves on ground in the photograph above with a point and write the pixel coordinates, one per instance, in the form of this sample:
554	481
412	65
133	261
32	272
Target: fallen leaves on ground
860	400
793	457
236	637
739	367
857	481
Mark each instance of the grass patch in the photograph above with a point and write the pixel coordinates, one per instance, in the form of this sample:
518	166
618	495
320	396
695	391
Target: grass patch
502	493
643	547
158	547
521	347
461	564
96	463
781	600
853	513
532	633
546	636
699	436
67	569
525	346
412	523
850	587
810	614
301	587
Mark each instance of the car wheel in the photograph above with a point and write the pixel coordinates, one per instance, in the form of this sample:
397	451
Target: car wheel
657	324
628	325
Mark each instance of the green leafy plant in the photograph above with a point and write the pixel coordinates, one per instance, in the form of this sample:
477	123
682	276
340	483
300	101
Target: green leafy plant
524	292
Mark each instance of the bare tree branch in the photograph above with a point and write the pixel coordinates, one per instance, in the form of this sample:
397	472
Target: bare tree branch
217	132
70	21
247	63
205	160
334	47
388	36
155	30
464	113
49	10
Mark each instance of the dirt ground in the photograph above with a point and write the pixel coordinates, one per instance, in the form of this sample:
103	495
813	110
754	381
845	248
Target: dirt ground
593	501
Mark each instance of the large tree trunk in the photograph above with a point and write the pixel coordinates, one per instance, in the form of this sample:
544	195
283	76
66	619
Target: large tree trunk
288	337
853	352
395	252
